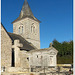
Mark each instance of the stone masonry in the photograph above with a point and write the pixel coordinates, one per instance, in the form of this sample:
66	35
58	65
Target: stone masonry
43	57
6	44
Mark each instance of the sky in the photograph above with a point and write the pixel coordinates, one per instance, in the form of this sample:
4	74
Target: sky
56	18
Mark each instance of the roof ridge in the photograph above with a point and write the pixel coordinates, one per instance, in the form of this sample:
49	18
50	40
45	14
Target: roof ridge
6	31
44	49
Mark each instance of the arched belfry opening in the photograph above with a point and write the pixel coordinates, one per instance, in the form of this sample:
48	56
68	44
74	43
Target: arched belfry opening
20	29
32	29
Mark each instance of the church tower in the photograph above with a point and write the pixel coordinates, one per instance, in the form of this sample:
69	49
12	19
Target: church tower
27	25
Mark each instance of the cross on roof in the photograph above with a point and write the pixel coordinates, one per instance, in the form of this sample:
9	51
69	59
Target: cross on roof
17	44
50	44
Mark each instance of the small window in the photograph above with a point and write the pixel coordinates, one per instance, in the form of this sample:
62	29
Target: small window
27	58
32	28
21	29
37	56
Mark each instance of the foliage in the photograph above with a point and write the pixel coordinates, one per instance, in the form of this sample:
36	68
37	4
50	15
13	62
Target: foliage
65	51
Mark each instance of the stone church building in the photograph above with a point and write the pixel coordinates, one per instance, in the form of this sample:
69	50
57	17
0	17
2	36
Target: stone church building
20	50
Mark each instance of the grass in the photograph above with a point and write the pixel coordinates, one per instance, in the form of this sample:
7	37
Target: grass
65	59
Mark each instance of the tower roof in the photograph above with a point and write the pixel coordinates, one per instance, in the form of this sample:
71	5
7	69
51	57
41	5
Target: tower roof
26	12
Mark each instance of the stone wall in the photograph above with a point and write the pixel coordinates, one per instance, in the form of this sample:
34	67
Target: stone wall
6	44
24	59
43	57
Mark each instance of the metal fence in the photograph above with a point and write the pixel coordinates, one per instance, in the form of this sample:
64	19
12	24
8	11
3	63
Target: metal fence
47	70
53	70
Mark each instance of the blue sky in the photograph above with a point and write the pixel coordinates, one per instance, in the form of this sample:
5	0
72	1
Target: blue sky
56	18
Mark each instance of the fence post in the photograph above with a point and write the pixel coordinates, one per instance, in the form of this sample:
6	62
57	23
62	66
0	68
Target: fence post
44	69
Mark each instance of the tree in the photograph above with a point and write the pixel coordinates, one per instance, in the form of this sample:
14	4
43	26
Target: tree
57	45
65	50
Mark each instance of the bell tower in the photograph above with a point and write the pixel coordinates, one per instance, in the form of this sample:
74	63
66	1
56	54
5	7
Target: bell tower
27	25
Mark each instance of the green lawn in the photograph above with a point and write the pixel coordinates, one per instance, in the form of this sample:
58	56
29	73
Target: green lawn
65	59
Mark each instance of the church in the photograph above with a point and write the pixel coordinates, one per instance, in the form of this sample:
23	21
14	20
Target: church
20	50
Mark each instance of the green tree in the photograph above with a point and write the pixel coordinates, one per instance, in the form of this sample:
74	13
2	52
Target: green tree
57	45
65	51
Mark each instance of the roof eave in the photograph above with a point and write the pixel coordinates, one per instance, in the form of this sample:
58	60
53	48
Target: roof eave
18	19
